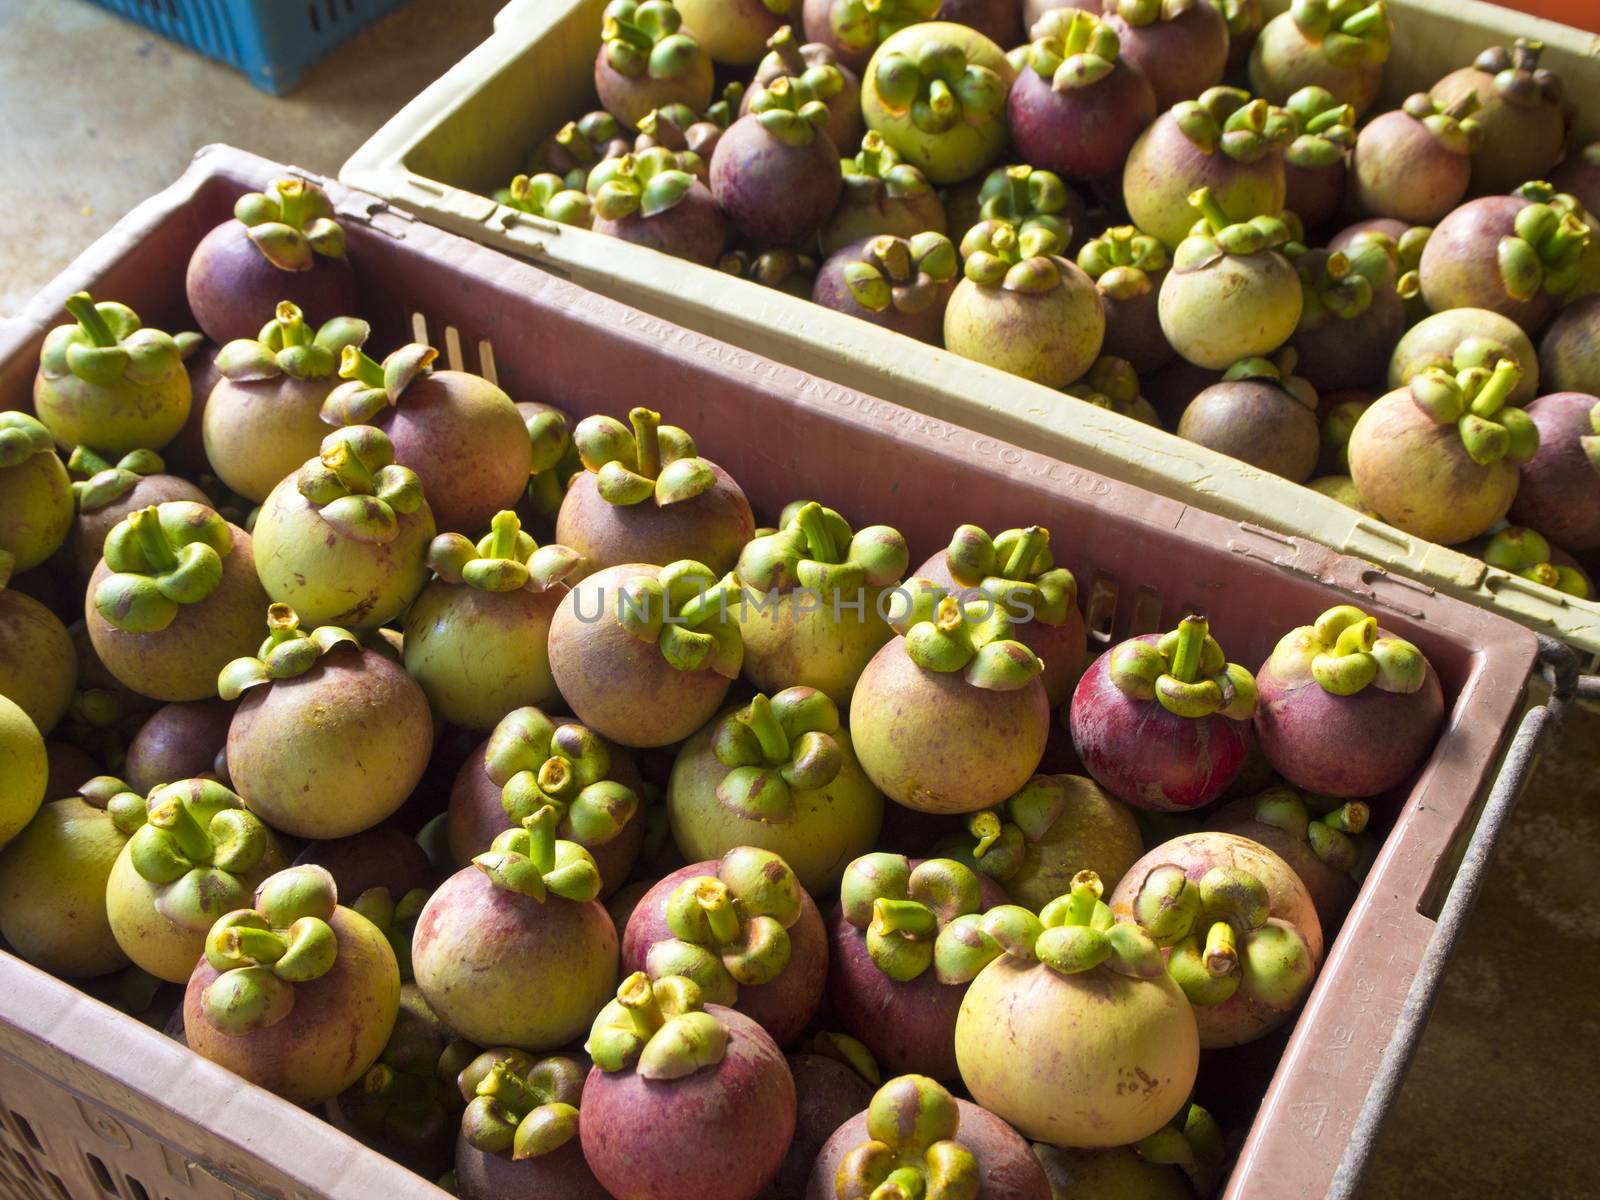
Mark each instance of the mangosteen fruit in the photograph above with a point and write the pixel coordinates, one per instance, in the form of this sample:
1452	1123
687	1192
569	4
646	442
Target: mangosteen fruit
646	496
532	760
647	59
1077	106
649	200
1162	722
297	994
998	20
53	880
1341	411
937	93
1224	141
521	922
833	1080
1519	110
822	79
547	195
281	245
778	774
36	497
1068	1006
113	491
344	539
382	857
182	740
1245	19
1579	175
555	461
1180	46
23	788
461	434
853	29
1230	294
775	172
882	194
644	654
686	1100
744	930
780	268
1236	926
1343	489
185	454
1127	267
690	135
915	1137
1029	199
1340	45
1414	162
198	855
108	381
1343	683
1316	164
1112	384
956	666
1569	353
573	150
519	1134
1352	314
1528	554
1323	839
887	956
1261	413
1022	307
1439	458
1559	492
1466	337
735	32
38	667
476	637
895	283
174	599
1182	1159
330	737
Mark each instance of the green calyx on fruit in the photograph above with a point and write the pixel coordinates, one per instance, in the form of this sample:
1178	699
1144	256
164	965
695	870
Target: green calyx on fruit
197	839
1072	49
1121	261
1000	835
1337	427
107	345
862	24
659	1029
505	559
1546	252
770	268
975	637
291	223
1518	78
648	183
357	487
685	612
905	911
288	651
1147	12
730	929
108	482
996	255
878	166
1072	934
1525	552
21	437
1327	128
650	461
913	1149
1344	654
906	274
1027	199
1453	127
1227	119
161	558
549	196
520	1106
532	861
790	110
1015	570
538	763
939	87
820	81
1331	287
815	549
288	346
843	1048
1330	827
1351	33
125	807
774	747
1216	234
395	919
1474	400
646	39
579	145
554	460
1192	1141
370	386
1111	384
1185	672
1223	937
1278	369
262	952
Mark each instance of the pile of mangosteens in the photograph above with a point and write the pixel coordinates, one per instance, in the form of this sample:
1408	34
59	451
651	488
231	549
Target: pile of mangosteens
1262	235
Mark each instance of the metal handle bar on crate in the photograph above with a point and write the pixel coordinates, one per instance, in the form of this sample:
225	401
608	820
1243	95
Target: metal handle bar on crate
1558	663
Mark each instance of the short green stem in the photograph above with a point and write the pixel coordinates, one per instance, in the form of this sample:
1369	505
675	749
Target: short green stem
353	364
353	474
903	916
503	532
985	827
763	722
1082	898
1210	209
623	30
1350	817
715	901
647	440
153	540
1024	555
819	541
555	777
174	816
638	996
871	156
81	307
541	827
1494	393
1368	20
292	202
1017	178
503	1086
1186	658
1222	950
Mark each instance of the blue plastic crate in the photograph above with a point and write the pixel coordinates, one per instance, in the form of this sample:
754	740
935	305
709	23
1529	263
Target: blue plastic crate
272	41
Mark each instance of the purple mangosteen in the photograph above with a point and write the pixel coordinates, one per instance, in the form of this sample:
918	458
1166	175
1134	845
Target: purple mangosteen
896	283
776	173
833	1080
1181	46
519	1134
1323	840
1559	493
648	200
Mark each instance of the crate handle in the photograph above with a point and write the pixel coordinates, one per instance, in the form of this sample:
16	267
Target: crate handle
1558	663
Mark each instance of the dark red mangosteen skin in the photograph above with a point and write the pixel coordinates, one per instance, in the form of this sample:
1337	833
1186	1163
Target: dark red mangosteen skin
783	1007
1171	389
1315	194
1389	225
1133	329
1080	133
185	454
382	856
718	1134
831	291
1181	57
1559	494
692	229
1332	891
1343	353
562	1174
1347	746
1460	264
1006	1163
710	528
828	1094
1147	757
998	20
234	290
773	193
180	741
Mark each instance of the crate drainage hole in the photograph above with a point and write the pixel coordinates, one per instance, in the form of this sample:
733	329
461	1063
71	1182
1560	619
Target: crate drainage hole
26	1166
26	1130
61	1188
102	1176
136	1190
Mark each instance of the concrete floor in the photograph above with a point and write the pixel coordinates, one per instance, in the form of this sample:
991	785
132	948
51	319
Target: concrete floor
95	114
